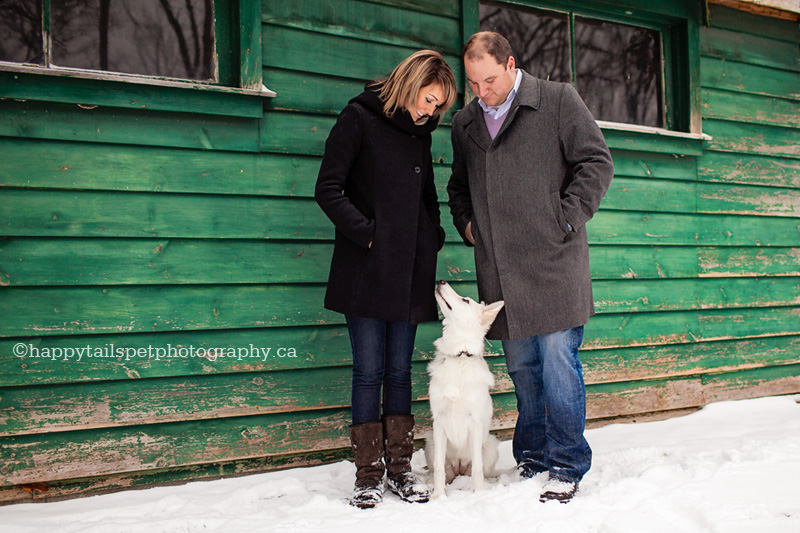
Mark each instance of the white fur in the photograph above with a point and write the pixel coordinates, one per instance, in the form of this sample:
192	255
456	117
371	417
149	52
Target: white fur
460	443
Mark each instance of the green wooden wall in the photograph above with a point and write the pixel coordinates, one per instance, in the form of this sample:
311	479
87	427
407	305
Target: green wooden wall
137	218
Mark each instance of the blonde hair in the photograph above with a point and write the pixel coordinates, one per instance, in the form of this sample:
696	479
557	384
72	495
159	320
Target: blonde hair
420	69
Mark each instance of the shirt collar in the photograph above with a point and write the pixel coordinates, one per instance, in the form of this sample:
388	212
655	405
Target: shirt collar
498	111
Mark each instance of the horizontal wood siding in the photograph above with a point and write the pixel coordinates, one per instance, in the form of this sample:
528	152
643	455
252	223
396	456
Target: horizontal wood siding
162	266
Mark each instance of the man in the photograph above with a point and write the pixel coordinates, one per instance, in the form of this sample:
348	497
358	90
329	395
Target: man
530	167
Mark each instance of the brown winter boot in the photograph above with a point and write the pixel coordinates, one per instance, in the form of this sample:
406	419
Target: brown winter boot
399	434
367	442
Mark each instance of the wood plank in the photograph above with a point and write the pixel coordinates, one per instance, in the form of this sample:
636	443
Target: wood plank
653	195
756	109
681	327
309	93
249	36
696	358
745	48
368	21
43	311
35	120
629	228
96	485
79	310
752	139
747	200
128	214
653	165
97	261
726	262
118	94
658	262
333	55
650	142
744	78
684	294
771	381
735	19
32	163
450	8
750	170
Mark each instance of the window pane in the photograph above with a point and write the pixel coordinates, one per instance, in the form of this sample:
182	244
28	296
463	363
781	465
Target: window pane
173	38
540	41
619	71
21	31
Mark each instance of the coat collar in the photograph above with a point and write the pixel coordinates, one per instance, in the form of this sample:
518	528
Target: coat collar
401	119
529	95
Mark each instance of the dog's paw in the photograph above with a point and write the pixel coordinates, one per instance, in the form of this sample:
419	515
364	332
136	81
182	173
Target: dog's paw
437	492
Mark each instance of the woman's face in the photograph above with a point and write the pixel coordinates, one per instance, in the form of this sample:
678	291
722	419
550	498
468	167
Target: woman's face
428	99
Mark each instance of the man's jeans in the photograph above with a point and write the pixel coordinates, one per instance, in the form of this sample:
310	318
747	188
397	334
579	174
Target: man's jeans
381	358
551	400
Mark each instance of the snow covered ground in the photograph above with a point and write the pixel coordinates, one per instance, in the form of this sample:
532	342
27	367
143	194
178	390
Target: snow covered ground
731	467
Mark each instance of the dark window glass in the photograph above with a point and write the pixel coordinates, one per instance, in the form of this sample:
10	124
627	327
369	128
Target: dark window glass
173	38
619	71
540	40
21	31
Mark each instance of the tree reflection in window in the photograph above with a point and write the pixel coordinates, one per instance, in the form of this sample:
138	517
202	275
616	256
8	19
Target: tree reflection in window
21	31
618	67
540	40
619	71
169	38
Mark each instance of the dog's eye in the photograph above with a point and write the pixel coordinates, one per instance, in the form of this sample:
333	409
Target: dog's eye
465	300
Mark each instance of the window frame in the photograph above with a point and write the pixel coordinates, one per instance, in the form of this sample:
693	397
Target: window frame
237	29
676	22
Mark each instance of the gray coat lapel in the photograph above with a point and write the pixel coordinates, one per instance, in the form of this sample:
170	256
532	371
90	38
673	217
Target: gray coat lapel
476	127
529	94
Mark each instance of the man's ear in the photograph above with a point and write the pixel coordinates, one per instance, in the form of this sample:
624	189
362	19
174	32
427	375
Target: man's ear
490	311
511	63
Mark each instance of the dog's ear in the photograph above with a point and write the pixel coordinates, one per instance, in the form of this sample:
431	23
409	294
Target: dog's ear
490	311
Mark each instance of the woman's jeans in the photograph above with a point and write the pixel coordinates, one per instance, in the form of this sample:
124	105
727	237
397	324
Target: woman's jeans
551	400
381	358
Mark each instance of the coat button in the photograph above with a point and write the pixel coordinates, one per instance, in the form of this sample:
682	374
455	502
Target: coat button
417	170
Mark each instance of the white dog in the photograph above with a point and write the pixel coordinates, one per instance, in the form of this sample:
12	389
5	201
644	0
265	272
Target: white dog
459	393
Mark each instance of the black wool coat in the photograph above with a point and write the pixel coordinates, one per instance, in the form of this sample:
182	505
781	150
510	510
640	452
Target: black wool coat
529	193
376	185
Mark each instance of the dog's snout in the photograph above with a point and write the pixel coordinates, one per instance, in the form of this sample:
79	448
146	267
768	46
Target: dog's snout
442	282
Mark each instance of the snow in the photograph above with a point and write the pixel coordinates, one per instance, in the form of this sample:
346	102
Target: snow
730	467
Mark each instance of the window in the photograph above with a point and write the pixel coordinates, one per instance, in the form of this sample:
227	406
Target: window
616	66
160	38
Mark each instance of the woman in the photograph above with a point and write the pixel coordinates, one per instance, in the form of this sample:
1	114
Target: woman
376	185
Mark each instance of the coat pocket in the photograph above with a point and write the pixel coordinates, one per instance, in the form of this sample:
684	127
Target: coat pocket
558	212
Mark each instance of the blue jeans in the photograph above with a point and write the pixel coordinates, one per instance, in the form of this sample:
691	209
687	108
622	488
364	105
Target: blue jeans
551	400
381	359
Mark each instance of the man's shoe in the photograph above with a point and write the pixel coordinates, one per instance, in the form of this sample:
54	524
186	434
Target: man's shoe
527	471
558	490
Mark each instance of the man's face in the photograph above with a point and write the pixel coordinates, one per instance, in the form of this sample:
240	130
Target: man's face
489	80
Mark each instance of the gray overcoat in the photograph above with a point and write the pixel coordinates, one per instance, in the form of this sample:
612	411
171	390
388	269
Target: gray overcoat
529	193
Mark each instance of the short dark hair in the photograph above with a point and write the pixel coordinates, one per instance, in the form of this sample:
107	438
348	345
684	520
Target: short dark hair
487	42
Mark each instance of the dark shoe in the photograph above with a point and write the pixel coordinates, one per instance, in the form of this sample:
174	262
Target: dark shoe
398	431
528	471
367	442
558	490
